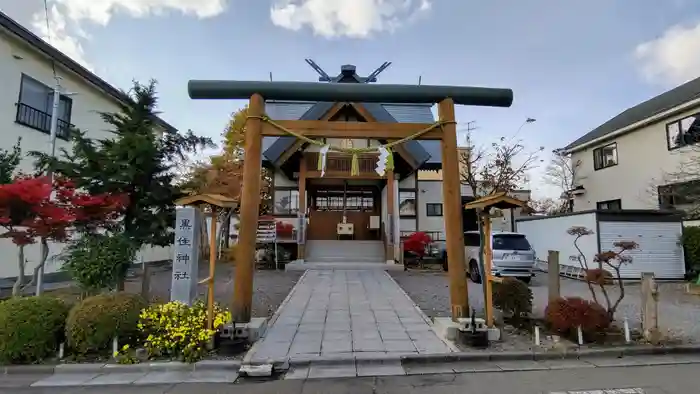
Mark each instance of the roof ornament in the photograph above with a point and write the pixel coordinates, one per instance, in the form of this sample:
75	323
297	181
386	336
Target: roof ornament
372	77
324	77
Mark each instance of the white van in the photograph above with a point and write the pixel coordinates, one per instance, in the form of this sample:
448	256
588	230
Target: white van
512	256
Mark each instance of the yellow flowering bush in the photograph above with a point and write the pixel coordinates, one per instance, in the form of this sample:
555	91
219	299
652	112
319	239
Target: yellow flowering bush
125	356
179	331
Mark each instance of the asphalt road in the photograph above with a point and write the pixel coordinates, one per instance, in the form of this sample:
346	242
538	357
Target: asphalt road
666	379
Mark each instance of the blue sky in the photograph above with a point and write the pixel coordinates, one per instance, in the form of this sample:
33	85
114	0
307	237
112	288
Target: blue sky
572	64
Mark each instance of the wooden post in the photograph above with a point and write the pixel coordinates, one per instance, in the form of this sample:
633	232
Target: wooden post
250	205
488	281
650	312
553	275
212	268
301	248
391	215
459	298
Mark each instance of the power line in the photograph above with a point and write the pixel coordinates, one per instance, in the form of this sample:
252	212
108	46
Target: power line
48	36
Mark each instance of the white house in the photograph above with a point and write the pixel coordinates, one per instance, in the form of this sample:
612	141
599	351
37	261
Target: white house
27	67
642	158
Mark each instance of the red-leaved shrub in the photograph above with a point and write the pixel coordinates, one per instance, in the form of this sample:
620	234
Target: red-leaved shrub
284	229
564	315
417	243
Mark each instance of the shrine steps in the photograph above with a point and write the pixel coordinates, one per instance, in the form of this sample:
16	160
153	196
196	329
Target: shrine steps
344	255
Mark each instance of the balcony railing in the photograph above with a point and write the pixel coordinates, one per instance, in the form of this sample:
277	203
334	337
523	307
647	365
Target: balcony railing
40	120
341	162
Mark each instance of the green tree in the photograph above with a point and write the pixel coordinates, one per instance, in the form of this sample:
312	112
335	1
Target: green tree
138	161
9	160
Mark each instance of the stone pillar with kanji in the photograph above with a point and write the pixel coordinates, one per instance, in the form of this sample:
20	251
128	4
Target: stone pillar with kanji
186	255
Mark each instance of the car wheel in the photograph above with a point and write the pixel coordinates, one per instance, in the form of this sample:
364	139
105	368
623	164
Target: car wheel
526	279
474	272
444	262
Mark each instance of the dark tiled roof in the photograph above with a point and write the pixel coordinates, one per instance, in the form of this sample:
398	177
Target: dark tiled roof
42	46
663	102
416	149
423	153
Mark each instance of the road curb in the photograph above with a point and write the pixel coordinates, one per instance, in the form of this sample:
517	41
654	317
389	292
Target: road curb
156	366
613	352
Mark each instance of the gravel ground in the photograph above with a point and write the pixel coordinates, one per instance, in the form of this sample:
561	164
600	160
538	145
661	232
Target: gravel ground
679	313
270	287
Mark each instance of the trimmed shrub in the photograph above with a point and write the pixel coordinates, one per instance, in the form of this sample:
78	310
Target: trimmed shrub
513	297
691	247
31	328
565	315
93	323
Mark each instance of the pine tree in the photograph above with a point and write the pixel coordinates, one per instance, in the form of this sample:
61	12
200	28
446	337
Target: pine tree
138	161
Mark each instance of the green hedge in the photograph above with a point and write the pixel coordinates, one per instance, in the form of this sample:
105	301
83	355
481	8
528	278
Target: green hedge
691	247
31	328
93	323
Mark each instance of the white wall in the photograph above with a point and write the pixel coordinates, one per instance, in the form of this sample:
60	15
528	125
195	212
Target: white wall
280	179
86	103
430	192
550	233
644	162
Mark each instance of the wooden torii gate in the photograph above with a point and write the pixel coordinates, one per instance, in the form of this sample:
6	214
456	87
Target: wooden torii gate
258	126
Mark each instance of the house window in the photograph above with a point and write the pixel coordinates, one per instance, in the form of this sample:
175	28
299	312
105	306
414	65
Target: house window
605	156
35	106
433	209
610	205
683	132
407	203
360	201
286	202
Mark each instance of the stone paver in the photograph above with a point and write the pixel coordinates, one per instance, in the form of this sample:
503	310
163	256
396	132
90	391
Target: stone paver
345	313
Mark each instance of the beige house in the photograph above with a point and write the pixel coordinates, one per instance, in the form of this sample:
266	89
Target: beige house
644	158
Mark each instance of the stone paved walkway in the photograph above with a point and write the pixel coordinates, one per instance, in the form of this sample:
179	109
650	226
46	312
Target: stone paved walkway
344	313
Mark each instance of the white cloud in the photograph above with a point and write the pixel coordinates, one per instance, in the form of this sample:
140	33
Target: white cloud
671	59
101	11
57	33
338	18
69	19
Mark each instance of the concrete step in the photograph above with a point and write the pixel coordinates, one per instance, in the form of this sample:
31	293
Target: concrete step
344	259
332	251
296	266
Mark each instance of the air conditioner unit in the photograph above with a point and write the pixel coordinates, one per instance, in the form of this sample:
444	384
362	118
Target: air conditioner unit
579	191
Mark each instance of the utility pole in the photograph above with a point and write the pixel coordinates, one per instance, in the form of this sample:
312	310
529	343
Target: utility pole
470	127
49	173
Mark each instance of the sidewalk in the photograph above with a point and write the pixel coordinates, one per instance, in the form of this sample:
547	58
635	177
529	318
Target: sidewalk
346	314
